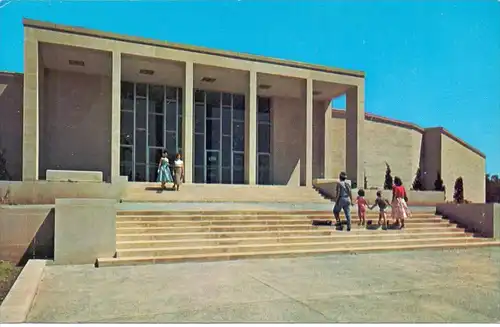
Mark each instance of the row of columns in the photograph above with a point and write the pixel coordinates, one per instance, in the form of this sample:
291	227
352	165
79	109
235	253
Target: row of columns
187	128
354	121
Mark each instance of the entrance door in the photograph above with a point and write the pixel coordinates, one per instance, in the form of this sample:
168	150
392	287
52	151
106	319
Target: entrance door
151	121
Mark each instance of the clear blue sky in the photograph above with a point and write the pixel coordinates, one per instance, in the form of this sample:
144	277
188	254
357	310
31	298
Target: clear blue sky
433	63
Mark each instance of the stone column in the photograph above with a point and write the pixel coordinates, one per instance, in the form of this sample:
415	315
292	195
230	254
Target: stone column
328	142
187	123
309	131
355	120
251	130
31	113
115	114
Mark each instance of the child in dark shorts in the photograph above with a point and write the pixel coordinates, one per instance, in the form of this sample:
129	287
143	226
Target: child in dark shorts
382	204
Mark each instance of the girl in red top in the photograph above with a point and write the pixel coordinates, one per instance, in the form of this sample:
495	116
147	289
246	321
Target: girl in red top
400	209
362	204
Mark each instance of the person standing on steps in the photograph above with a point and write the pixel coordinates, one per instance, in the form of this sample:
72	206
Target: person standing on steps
178	171
164	173
382	204
343	201
362	205
400	209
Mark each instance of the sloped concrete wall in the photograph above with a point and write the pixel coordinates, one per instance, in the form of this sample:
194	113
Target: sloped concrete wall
406	147
459	161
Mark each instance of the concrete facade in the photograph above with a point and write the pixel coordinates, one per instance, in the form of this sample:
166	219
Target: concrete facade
104	54
69	117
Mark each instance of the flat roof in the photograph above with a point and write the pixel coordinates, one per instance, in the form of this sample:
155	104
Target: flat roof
176	46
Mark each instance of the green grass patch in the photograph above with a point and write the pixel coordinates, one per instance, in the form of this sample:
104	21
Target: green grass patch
8	275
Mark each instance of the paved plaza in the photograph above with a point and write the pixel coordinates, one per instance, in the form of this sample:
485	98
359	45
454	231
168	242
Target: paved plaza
419	286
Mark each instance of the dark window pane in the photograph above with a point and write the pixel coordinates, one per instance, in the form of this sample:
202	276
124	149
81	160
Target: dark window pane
238	136
238	160
180	97
140	113
264	165
199	149
213	105
171	93
140	173
199	96
264	117
226	175
213	176
213	111
126	153
213	98
171	116
127	128
264	110
127	90
238	176
179	132
263	104
226	99
238	114
154	156
126	170
213	134
155	130
226	151
199	174
199	118
127	104
213	159
156	99
226	121
140	146
239	102
153	172
141	90
264	137
171	143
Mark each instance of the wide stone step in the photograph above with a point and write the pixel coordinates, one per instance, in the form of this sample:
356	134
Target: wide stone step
456	243
260	227
278	233
163	242
238	248
249	213
249	223
253	217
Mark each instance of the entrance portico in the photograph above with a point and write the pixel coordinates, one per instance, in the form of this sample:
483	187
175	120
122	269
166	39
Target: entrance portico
235	118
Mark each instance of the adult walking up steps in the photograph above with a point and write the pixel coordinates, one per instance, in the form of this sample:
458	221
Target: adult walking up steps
155	236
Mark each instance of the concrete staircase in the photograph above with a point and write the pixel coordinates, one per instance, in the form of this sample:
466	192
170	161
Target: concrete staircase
149	192
145	237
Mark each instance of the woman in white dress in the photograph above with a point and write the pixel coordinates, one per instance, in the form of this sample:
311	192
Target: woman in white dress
178	171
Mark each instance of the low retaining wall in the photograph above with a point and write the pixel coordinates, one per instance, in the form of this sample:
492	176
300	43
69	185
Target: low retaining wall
45	192
26	232
16	306
85	229
73	176
327	187
482	218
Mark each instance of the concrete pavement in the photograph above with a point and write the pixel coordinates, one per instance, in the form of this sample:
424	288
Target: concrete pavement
419	286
